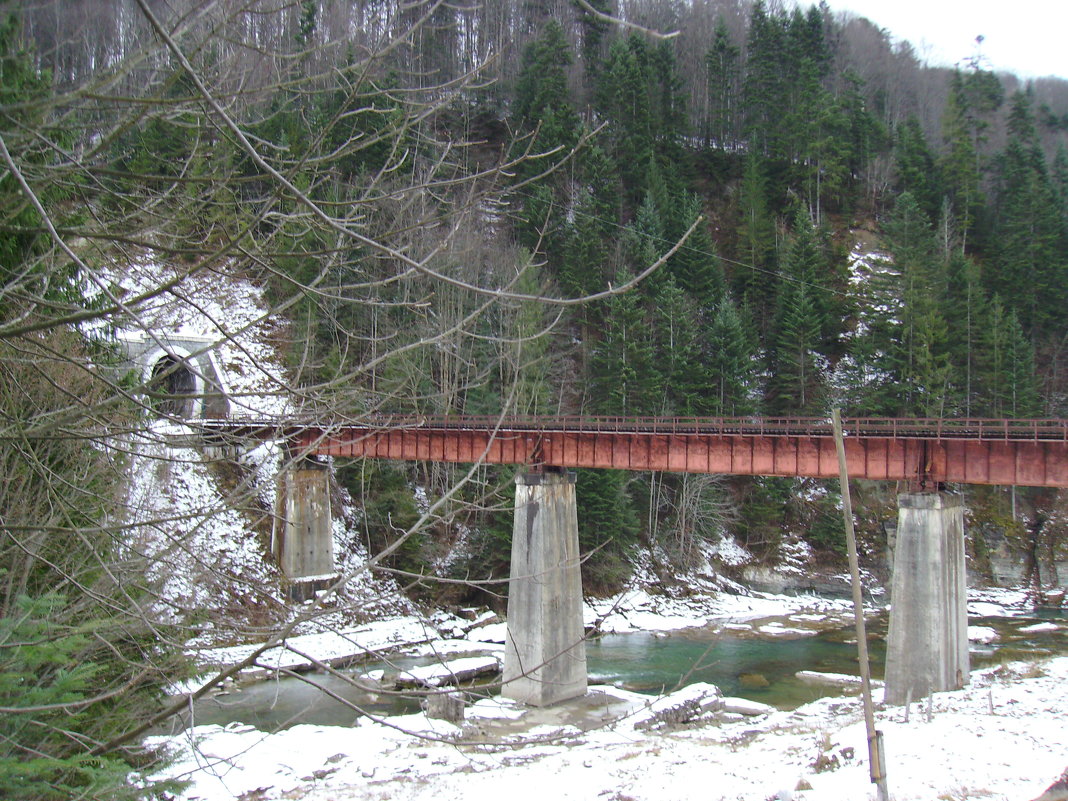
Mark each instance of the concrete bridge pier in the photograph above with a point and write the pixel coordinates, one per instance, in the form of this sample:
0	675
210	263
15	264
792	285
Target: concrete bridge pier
927	645
545	655
302	539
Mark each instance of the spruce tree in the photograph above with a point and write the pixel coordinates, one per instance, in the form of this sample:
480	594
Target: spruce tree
755	277
624	379
729	361
608	528
723	71
623	100
1009	387
1029	265
765	100
916	167
696	266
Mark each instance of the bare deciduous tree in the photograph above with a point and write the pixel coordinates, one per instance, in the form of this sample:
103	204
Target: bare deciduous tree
330	167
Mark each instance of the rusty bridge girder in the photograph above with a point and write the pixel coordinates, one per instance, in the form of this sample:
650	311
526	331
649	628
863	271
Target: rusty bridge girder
924	453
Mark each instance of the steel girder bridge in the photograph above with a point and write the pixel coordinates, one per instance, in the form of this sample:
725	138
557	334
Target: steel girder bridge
924	452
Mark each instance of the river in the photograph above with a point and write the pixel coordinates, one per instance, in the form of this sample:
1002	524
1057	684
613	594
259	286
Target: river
745	664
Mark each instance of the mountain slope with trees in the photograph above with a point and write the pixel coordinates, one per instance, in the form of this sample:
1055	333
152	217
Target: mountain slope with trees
450	208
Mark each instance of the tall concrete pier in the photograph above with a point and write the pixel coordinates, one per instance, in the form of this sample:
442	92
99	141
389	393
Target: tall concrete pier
927	645
545	656
302	540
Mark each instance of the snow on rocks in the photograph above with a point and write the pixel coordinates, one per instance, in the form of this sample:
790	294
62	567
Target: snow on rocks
492	633
1039	628
743	706
203	550
455	671
832	679
682	706
1000	739
329	647
982	634
728	552
639	610
998	602
777	629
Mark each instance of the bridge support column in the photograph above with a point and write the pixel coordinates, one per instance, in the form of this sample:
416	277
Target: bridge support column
545	656
302	540
927	645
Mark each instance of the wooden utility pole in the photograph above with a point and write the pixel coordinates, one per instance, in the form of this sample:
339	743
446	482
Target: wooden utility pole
875	738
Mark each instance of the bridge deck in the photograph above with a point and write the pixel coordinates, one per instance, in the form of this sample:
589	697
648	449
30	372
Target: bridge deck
922	451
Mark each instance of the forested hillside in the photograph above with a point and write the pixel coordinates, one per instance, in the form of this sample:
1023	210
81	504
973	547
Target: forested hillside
527	206
430	192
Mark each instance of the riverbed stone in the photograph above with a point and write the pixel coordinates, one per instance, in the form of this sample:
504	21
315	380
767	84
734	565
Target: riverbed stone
753	681
446	706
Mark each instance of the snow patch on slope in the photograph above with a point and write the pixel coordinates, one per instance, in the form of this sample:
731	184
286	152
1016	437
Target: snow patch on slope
203	517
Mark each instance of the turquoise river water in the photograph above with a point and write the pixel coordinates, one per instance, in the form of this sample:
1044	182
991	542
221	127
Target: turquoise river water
741	664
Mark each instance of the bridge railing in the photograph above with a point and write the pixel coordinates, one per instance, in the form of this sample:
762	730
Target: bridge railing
888	427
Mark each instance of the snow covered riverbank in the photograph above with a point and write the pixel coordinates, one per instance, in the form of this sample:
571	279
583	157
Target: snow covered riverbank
1000	738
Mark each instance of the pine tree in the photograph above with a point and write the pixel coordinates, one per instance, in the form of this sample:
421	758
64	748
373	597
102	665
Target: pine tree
729	361
670	117
543	106
866	135
764	96
806	262
916	168
527	365
594	30
624	379
607	525
966	314
722	64
623	99
584	264
1009	386
973	96
645	239
1060	182
696	266
918	353
684	376
21	86
1029	266
755	278
794	385
541	91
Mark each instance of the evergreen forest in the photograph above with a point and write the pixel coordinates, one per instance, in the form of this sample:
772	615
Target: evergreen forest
543	207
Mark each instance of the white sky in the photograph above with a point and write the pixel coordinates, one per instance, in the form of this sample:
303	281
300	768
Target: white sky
1025	37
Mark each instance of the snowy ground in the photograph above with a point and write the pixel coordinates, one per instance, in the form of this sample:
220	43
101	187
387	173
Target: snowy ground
1000	738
